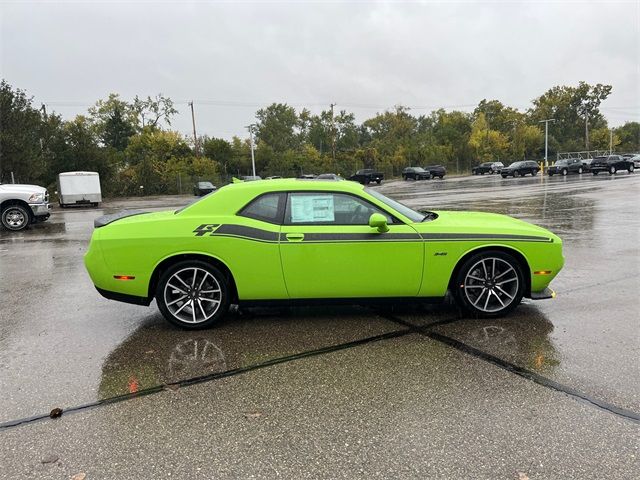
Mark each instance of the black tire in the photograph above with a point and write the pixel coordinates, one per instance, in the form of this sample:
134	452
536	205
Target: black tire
15	218
595	173
631	168
405	178
441	177
580	170
504	176
464	294
534	173
565	172
612	170
551	174
516	173
481	173
378	181
224	295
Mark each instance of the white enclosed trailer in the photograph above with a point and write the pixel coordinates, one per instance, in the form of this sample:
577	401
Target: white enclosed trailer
79	188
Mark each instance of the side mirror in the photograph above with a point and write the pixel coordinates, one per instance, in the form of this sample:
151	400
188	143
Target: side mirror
379	221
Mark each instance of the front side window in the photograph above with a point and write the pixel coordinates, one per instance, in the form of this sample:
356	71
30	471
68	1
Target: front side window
267	208
326	208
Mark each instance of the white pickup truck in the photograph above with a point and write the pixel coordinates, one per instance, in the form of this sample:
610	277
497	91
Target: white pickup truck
21	205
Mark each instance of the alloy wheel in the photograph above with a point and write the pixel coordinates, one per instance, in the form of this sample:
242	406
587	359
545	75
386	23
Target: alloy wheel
491	284
192	295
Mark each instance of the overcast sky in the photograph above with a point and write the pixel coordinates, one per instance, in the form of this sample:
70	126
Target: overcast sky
233	57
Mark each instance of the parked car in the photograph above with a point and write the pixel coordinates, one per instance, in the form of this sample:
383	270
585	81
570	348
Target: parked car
633	157
79	188
484	167
203	188
250	178
487	167
586	164
367	176
22	205
273	177
523	167
416	173
566	166
307	176
291	241
436	171
611	164
329	176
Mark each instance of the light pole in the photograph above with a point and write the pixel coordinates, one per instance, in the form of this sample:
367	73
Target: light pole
253	158
546	139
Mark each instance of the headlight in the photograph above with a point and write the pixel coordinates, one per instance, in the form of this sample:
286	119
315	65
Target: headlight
36	198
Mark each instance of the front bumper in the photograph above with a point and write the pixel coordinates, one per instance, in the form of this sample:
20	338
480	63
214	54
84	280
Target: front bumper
543	295
40	210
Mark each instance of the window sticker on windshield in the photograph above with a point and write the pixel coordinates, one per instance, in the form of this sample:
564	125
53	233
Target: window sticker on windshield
312	208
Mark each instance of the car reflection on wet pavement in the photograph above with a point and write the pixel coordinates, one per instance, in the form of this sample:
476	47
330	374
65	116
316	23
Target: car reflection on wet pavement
551	391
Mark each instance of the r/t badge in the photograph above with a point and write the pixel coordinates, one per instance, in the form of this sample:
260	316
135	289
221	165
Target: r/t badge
205	228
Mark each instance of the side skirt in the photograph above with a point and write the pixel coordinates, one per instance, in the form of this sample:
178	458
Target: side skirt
296	302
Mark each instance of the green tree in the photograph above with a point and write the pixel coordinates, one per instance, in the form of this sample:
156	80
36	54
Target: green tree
488	144
115	121
629	135
19	136
153	111
276	126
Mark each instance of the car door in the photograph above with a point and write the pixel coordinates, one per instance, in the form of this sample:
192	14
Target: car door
328	249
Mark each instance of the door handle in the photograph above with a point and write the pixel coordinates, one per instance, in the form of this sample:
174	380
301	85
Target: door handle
295	237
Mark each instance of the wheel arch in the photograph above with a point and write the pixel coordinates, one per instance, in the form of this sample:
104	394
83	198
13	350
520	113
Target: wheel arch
517	254
16	201
171	260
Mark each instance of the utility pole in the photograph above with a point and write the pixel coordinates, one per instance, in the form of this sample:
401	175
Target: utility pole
546	139
193	121
253	158
333	136
586	130
610	141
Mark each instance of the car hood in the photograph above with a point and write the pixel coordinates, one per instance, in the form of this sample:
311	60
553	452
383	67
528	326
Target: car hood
21	188
449	222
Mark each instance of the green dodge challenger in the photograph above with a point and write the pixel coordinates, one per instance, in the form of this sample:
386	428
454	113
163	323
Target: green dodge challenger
308	241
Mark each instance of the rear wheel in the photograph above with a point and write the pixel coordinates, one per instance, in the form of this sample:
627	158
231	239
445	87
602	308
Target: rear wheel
534	173
516	173
565	172
193	294
490	284
631	168
15	218
612	170
580	170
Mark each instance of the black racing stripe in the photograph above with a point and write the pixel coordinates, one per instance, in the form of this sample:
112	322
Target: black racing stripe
331	237
482	236
249	233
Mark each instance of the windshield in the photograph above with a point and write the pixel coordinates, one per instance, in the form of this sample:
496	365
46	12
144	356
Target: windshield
561	162
516	164
400	208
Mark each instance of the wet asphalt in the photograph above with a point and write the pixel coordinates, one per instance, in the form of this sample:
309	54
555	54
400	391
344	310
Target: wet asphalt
551	391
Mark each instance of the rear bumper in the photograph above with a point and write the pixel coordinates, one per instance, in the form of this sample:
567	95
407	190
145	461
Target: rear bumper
123	297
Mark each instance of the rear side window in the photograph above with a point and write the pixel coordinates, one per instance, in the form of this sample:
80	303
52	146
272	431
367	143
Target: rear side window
267	208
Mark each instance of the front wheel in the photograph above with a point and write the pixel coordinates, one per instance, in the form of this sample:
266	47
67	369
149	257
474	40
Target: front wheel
490	284
580	170
378	181
612	170
516	173
534	173
565	172
631	168
193	295
15	218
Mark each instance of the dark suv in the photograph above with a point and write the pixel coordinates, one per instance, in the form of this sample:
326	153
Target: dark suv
520	168
415	173
436	171
566	166
611	164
